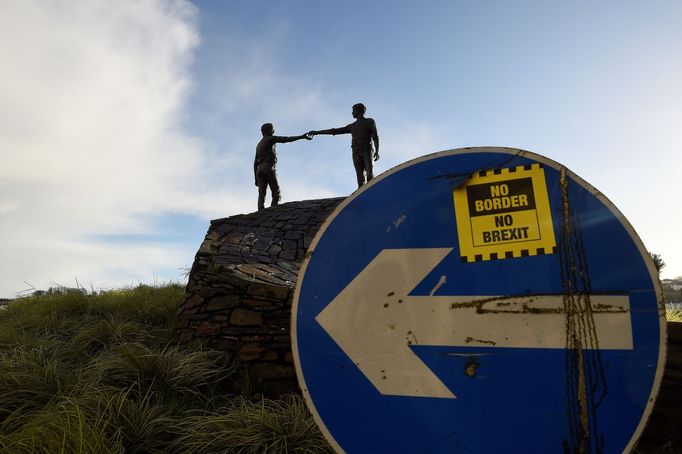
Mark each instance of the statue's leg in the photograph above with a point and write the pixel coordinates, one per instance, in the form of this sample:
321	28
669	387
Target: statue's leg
359	164
274	188
262	188
368	164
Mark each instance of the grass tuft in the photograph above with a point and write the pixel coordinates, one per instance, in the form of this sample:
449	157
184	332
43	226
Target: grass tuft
30	378
266	426
170	372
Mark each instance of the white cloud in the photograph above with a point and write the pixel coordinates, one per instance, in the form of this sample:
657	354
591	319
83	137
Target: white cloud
91	111
90	95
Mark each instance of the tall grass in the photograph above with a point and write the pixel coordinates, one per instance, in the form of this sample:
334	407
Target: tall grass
99	374
170	373
253	428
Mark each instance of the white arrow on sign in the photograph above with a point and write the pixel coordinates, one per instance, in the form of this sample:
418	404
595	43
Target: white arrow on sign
374	320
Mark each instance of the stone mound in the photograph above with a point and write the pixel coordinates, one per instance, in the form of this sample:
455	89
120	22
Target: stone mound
240	287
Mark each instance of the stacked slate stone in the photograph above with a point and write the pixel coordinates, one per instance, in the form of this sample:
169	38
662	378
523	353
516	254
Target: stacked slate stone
238	297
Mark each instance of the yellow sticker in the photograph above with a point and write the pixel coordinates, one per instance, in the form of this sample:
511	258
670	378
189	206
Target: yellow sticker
504	213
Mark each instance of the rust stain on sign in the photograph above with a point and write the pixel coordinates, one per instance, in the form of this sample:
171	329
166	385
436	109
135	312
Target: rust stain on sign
471	366
528	304
469	340
586	383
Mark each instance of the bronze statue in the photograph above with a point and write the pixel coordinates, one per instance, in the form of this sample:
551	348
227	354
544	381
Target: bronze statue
264	166
363	131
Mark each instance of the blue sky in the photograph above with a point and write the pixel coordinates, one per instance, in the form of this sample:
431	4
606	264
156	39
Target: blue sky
125	127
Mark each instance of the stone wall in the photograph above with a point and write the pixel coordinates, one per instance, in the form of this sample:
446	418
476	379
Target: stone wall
240	289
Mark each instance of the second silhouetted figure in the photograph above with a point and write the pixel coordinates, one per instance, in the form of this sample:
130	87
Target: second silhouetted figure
363	132
264	166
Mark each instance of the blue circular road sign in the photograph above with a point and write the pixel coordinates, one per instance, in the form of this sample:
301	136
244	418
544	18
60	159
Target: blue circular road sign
479	300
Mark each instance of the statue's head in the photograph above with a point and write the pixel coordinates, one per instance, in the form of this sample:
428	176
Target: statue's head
359	110
267	129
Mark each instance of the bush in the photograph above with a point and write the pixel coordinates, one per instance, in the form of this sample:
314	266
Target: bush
266	426
170	373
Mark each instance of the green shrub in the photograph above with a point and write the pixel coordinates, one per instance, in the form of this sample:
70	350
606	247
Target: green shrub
266	426
30	379
62	428
170	372
101	333
62	315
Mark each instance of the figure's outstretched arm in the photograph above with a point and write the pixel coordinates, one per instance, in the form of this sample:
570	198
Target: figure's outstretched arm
287	139
331	132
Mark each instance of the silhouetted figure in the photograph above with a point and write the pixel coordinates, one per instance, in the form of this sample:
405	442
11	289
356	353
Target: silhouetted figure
264	166
363	132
